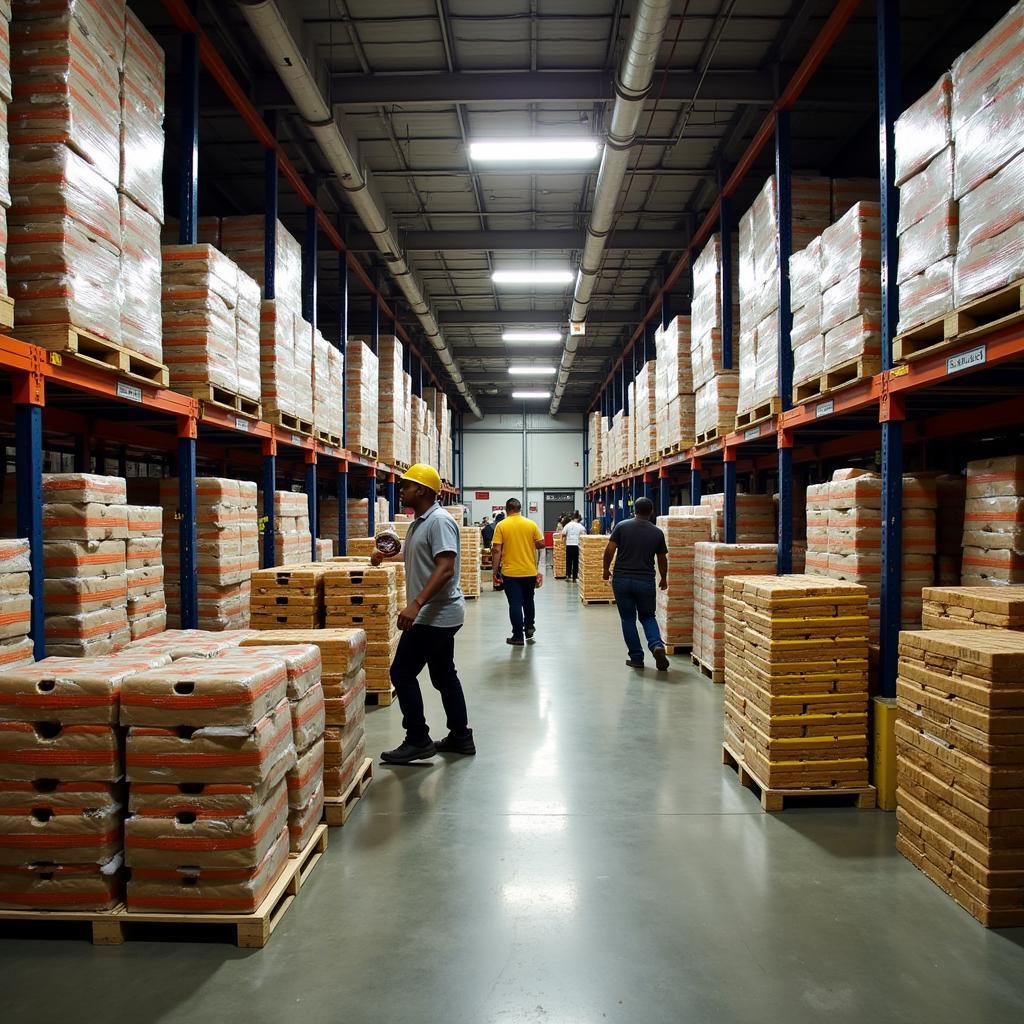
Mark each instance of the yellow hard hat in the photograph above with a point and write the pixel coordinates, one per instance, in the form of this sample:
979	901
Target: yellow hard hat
423	474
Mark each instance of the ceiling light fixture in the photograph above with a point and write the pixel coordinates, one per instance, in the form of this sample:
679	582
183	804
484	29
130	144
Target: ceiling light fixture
533	277
532	337
531	394
527	150
531	371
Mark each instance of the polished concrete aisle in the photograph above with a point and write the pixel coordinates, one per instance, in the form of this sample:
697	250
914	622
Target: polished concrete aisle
594	863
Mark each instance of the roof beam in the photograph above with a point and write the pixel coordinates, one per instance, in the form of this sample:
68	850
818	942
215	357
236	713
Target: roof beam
529	241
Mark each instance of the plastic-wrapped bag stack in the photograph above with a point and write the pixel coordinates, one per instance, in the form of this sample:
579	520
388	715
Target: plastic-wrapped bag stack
646	413
673	386
593	586
293	542
85	585
210	741
247	337
596	432
712	562
147	604
358	518
328	381
674	609
278	370
807	339
993	540
227	550
242	239
755	517
61	790
395	438
16	618
470	552
361	407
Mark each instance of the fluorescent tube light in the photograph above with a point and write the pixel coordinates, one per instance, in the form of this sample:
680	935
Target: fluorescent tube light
531	394
531	371
533	277
532	337
534	149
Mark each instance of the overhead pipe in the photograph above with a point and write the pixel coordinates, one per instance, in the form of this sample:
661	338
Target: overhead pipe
631	87
271	29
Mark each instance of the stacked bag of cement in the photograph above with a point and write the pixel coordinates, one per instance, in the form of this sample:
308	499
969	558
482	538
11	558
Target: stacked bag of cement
994	522
973	608
394	394
361	401
755	517
673	407
293	542
147	604
85	570
328	389
471	548
674	610
16	599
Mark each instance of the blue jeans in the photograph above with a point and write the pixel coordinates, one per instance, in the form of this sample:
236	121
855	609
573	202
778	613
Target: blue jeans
636	599
519	591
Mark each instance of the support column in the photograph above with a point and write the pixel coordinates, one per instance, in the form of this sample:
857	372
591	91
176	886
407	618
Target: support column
375	313
371	501
648	486
342	507
729	487
188	196
188	431
725	281
784	553
271	174
122	461
889	101
664	497
666	310
29	397
343	339
892	415
309	268
695	481
392	495
784	189
311	503
269	487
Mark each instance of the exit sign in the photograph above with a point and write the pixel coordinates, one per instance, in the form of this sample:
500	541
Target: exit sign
483	495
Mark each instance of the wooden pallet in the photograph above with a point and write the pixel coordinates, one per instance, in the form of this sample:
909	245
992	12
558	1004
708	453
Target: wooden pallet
710	435
337	809
64	340
470	597
6	311
760	413
329	439
706	670
251	931
288	422
973	319
864	798
677	649
224	399
597	600
851	372
367	453
380	698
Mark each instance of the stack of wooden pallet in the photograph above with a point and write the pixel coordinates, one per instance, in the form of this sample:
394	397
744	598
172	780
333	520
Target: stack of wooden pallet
960	766
973	608
796	672
364	597
594	589
471	544
675	605
559	556
288	597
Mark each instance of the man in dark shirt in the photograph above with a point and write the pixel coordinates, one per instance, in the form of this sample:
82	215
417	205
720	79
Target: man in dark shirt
635	544
487	531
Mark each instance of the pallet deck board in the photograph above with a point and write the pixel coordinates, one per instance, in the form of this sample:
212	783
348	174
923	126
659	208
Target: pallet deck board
211	394
853	371
338	809
380	698
288	422
67	340
760	413
707	670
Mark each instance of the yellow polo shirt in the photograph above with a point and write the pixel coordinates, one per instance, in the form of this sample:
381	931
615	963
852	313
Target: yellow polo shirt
516	534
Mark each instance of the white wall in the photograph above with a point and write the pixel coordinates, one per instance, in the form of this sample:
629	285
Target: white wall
521	455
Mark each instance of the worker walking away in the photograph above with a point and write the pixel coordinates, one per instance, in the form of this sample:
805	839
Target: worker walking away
635	544
486	531
515	556
429	622
572	531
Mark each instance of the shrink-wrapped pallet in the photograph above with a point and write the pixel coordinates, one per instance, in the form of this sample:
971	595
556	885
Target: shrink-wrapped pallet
923	130
646	413
715	405
293	540
278	370
139	281
361	406
470	552
675	606
142	119
805	305
993	541
362	597
322	399
303	361
395	413
243	239
593	586
247	337
755	516
147	604
16	601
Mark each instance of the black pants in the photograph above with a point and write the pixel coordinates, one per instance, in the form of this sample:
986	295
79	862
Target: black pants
572	562
520	590
433	647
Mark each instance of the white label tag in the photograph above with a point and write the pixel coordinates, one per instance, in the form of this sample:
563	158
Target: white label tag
296	439
331	452
824	408
752	433
129	391
241	424
965	360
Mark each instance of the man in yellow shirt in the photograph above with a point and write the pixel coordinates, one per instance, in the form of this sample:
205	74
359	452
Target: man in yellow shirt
515	554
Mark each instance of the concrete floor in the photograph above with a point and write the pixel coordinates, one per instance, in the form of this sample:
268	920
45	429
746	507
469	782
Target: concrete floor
594	863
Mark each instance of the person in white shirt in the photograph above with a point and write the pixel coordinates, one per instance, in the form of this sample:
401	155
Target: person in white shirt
572	531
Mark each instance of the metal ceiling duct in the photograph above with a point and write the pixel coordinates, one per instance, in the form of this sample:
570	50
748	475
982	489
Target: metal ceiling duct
636	72
271	28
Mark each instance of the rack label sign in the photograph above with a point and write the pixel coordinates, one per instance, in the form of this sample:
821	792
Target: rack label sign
129	391
825	408
752	433
965	360
297	440
241	424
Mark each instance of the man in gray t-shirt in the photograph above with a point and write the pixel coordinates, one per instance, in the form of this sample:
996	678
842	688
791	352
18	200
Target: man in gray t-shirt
435	612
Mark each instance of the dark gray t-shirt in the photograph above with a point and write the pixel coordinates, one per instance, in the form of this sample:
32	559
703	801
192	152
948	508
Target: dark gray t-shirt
431	534
638	541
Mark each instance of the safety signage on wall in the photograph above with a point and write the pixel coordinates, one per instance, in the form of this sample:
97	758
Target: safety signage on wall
483	495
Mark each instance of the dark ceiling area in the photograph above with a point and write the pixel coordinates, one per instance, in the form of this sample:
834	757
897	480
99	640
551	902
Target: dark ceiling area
415	81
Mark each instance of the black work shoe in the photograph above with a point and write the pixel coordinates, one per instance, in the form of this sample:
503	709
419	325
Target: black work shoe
634	664
408	752
453	744
514	642
661	658
530	630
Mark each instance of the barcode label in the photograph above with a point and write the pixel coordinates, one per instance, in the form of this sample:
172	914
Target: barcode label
129	391
296	439
752	433
241	424
825	408
965	360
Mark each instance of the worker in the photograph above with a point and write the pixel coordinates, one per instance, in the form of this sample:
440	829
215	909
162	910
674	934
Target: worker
515	557
429	621
572	531
635	544
486	531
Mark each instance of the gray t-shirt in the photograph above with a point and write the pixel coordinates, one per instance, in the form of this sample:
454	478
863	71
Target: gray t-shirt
638	542
430	535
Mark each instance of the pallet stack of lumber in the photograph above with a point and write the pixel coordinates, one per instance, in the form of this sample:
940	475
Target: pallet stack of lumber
293	541
973	608
359	596
796	674
288	597
361	403
147	602
993	542
674	609
592	585
471	549
16	618
61	769
394	396
85	585
210	741
960	766
712	563
558	556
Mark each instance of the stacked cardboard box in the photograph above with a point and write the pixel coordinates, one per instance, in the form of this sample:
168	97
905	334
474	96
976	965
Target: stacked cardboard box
324	549
147	604
973	608
16	618
712	563
302	359
816	559
361	597
209	744
293	542
994	522
918	549
593	587
796	672
361	407
227	550
674	609
471	549
85	586
360	547
960	760
395	405
358	519
61	766
288	597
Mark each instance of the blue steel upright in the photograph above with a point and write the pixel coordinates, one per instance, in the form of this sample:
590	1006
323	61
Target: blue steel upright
188	196
309	259
784	190
271	176
695	482
343	338
392	496
725	282
342	508
311	504
371	503
375	313
28	461
729	487
187	532
269	519
664	495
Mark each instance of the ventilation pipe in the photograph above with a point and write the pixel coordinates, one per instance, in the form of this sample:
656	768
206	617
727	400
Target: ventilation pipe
631	87
271	29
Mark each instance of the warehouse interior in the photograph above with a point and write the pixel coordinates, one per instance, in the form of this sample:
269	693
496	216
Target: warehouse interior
760	262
